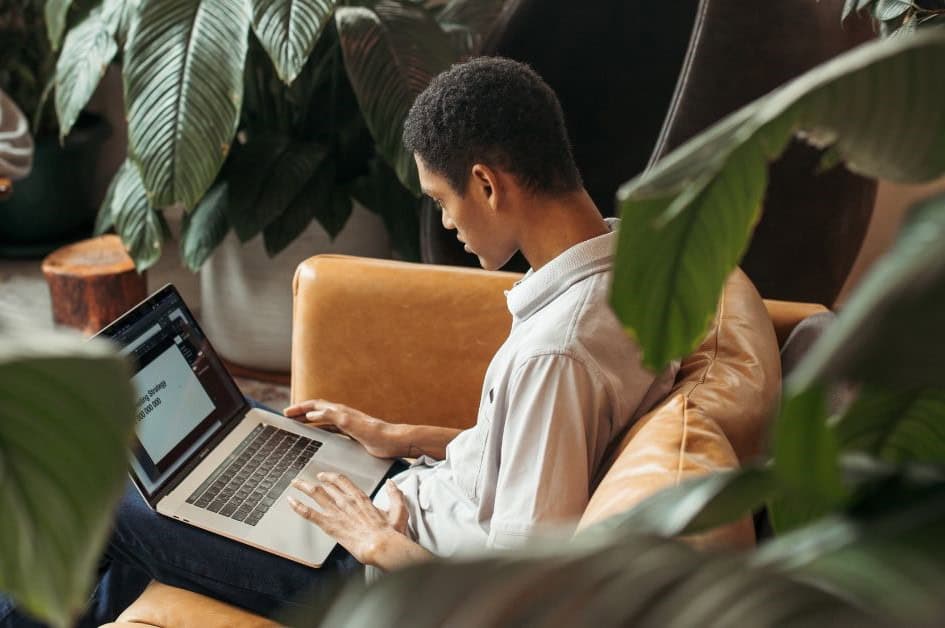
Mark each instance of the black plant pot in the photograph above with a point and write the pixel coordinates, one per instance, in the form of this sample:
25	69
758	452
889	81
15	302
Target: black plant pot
53	205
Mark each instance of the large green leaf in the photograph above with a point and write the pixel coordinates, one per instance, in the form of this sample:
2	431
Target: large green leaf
320	197
183	90
86	53
469	21
806	462
266	175
632	580
392	53
688	220
120	14
899	426
885	551
141	227
889	331
205	227
55	12
288	30
66	415
891	9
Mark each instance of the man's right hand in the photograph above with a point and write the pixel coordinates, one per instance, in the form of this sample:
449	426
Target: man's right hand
377	436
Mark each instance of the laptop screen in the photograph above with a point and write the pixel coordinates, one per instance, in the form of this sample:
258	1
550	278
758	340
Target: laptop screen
184	395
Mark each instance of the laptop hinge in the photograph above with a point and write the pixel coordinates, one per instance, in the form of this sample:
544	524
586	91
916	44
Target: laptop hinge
197	457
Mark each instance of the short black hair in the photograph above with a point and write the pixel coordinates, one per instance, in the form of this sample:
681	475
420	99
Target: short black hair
494	111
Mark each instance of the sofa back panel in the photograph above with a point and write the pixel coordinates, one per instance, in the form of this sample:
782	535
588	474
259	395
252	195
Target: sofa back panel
409	343
735	374
672	443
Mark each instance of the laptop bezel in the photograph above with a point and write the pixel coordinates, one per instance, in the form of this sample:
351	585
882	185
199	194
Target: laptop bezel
228	423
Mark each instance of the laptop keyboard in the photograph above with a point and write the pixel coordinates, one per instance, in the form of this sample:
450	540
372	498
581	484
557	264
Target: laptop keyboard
253	477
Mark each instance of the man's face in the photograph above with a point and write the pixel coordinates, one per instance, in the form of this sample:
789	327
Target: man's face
475	221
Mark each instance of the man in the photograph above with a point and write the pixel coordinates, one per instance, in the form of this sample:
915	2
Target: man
492	151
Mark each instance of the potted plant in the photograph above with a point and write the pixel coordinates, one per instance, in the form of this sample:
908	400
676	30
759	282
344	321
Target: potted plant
55	203
261	133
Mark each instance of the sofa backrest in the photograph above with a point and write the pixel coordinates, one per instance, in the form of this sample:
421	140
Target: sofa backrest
715	415
406	342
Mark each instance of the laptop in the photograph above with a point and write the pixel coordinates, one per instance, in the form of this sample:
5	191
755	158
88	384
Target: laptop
204	456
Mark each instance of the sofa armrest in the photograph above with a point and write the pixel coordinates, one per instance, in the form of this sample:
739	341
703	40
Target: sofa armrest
787	314
163	606
409	343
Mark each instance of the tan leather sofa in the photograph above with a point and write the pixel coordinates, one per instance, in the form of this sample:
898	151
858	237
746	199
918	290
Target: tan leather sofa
410	343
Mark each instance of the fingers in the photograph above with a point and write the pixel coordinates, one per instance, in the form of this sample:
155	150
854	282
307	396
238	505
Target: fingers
397	515
301	408
335	491
308	513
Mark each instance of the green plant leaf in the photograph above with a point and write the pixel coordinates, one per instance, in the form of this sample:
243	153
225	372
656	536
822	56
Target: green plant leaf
699	504
890	329
119	14
688	220
104	220
469	21
288	30
889	559
66	416
86	53
141	227
183	89
391	54
55	13
320	196
806	462
895	425
205	227
891	9
633	580
381	192
266	175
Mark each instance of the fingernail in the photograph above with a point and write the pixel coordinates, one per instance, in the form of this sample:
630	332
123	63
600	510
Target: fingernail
294	502
322	475
302	486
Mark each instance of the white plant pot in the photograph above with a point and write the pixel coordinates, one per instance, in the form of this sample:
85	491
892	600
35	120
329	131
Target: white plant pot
246	296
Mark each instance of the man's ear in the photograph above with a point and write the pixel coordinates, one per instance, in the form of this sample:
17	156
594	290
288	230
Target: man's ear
486	184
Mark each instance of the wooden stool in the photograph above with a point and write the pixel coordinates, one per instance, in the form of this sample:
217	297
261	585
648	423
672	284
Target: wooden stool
92	283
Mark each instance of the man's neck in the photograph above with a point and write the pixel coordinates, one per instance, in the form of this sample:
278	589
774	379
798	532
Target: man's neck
552	226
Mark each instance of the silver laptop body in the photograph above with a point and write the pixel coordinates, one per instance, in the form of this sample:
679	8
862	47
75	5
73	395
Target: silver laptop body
204	456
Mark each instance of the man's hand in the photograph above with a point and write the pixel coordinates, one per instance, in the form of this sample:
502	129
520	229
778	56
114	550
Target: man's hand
372	536
375	435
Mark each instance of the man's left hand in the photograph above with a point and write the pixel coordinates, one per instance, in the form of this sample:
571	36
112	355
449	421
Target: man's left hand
348	515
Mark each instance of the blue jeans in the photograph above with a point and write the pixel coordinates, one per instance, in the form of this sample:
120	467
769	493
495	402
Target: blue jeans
145	545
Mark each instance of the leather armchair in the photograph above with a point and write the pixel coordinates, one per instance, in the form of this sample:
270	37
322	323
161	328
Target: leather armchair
411	343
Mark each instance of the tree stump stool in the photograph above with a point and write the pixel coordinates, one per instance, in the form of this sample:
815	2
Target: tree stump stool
92	283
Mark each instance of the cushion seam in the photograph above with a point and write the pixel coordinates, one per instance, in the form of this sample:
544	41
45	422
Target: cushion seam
715	349
682	443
